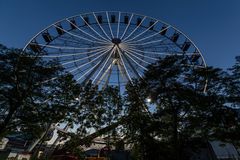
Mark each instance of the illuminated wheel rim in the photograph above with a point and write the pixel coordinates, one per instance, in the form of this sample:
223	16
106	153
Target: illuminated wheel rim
111	48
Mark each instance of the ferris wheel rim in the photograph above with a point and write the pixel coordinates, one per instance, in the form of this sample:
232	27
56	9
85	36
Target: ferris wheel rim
108	39
76	15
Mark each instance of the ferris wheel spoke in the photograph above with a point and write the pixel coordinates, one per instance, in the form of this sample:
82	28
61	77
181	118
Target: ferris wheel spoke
103	65
128	54
109	25
162	45
135	29
127	27
94	30
104	74
119	19
101	27
68	39
143	55
124	66
62	53
151	52
108	77
118	79
161	53
142	32
129	63
90	35
84	58
90	61
164	39
133	54
91	68
155	34
64	47
99	64
72	54
71	40
121	70
76	35
146	43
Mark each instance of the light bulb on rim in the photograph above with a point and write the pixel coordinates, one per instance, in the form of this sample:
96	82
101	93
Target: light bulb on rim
148	100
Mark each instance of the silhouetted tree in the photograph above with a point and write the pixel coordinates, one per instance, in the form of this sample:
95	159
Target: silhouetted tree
186	116
100	111
34	92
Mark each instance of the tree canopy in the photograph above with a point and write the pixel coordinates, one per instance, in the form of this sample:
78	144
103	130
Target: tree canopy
186	114
189	105
33	92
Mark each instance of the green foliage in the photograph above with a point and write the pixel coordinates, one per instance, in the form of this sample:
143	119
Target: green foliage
96	110
184	112
30	94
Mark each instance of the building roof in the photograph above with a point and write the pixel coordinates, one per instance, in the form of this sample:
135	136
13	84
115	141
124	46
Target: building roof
224	150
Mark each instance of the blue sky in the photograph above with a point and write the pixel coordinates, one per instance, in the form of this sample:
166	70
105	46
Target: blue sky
214	25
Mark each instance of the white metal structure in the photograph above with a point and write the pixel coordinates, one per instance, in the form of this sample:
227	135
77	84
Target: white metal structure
111	48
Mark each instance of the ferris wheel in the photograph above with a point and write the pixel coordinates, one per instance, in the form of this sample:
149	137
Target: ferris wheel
110	47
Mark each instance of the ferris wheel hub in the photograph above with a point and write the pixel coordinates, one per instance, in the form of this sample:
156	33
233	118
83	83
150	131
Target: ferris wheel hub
116	41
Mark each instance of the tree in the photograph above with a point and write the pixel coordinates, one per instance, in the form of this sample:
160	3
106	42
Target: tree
33	92
140	125
99	111
234	84
186	117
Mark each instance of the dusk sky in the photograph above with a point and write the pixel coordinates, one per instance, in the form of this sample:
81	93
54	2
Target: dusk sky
214	25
